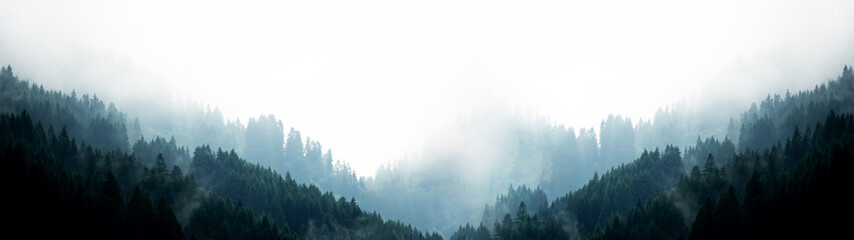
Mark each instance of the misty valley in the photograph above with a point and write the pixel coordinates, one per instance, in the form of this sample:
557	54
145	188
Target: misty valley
77	166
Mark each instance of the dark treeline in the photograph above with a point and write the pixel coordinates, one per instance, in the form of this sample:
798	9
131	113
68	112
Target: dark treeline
787	190
147	152
302	209
783	192
557	158
778	116
77	191
86	118
81	190
508	203
769	167
262	140
619	189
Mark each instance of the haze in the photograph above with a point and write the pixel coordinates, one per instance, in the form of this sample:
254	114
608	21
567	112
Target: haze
373	79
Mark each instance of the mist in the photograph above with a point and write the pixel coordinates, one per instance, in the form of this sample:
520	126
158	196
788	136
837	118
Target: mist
438	113
372	79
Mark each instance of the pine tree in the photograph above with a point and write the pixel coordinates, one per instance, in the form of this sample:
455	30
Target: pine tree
110	208
703	227
167	226
160	167
710	165
139	215
728	215
522	212
754	206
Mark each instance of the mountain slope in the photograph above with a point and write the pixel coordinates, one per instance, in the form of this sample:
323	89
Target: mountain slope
727	194
101	191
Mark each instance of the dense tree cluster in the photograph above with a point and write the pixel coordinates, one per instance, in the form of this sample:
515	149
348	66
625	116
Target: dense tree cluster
777	116
79	190
72	168
262	140
779	197
783	191
508	203
303	209
71	189
557	158
697	154
147	152
471	233
85	118
658	218
619	189
786	190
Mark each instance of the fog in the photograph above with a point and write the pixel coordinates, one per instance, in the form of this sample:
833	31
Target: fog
374	79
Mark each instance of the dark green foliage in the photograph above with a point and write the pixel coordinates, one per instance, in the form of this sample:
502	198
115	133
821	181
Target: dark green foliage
788	190
755	207
147	152
86	118
704	227
104	215
658	218
619	189
67	167
595	204
75	189
804	190
106	134
698	185
75	197
504	204
301	208
470	233
777	116
729	215
110	208
166	223
526	226
722	151
140	216
801	198
217	218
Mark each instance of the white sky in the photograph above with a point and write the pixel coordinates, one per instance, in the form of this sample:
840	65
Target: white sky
372	78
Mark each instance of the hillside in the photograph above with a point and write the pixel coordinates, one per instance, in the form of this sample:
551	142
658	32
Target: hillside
728	195
100	191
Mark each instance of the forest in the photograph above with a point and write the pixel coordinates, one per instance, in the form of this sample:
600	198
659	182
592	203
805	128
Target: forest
84	168
94	188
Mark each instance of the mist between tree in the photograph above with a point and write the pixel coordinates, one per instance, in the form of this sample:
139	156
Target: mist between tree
453	180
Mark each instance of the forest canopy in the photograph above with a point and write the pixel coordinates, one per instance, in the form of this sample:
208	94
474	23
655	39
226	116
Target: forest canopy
101	174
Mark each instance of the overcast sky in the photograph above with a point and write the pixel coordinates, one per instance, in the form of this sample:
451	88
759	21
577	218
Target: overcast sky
371	78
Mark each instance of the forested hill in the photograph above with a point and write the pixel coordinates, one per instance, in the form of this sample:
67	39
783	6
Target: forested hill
86	118
70	176
776	186
86	166
89	119
777	116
